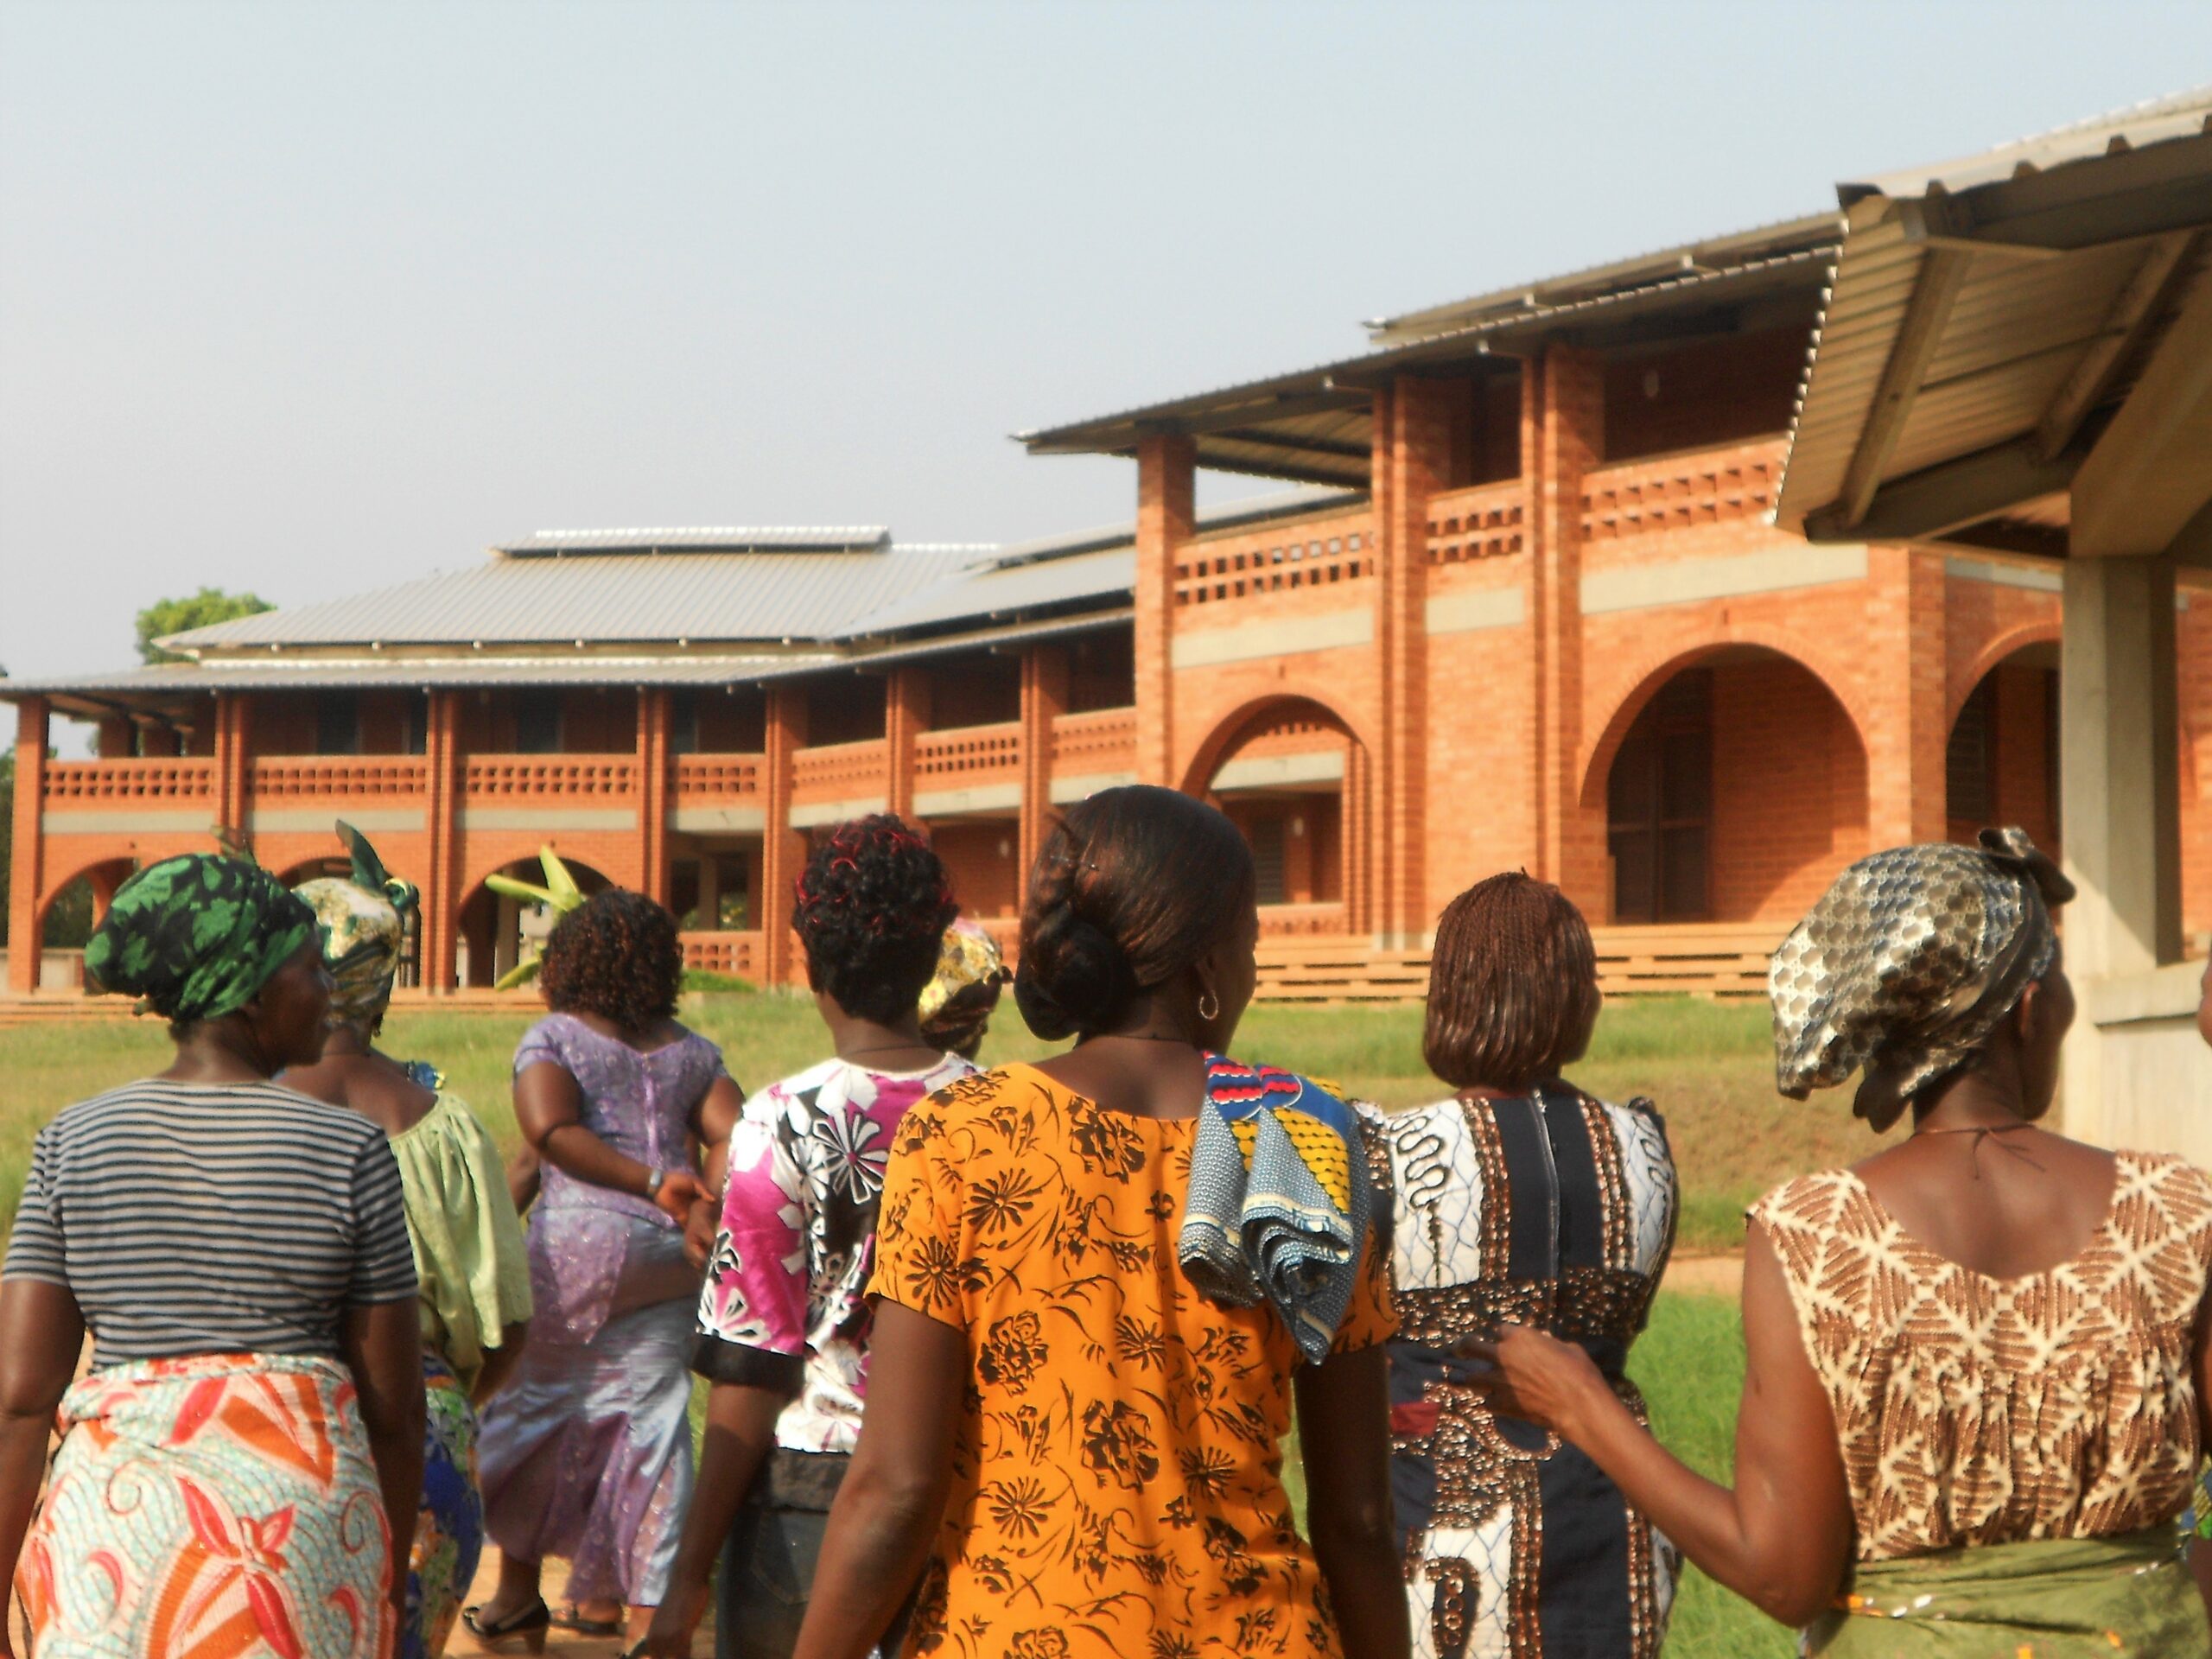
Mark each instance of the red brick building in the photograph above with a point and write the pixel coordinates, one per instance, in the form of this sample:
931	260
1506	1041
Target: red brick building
1527	609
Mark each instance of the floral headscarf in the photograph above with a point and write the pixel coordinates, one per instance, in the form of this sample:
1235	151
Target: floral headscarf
1907	963
363	922
196	936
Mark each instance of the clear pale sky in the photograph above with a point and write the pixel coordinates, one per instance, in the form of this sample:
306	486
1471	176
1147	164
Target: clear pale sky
308	298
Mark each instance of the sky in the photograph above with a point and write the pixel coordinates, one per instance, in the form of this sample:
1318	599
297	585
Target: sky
307	299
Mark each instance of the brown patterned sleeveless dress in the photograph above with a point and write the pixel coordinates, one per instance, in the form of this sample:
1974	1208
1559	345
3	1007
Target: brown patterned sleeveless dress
1973	1410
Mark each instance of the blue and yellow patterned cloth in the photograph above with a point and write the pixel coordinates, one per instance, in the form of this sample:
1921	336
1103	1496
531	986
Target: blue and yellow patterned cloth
1280	1199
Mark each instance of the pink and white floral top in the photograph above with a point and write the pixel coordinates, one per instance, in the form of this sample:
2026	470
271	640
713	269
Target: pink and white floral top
784	1305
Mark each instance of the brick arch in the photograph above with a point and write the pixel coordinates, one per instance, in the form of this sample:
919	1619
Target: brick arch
1631	690
1228	729
128	862
523	848
1991	657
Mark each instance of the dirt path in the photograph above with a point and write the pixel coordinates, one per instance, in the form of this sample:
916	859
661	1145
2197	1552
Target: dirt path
1706	1275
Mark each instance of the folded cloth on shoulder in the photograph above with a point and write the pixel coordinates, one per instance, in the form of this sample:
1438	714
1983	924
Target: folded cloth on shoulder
1281	1199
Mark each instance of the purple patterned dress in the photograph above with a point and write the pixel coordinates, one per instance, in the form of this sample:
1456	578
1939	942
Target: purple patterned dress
586	1453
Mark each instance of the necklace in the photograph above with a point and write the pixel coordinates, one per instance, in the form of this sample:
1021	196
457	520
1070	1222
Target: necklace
1978	1130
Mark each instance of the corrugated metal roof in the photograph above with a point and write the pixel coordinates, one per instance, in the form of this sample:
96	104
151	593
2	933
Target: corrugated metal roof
637	597
1005	590
1615	276
2064	256
727	538
1254	510
1312	423
328	673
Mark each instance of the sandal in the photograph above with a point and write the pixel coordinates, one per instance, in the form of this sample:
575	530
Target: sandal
570	1617
526	1625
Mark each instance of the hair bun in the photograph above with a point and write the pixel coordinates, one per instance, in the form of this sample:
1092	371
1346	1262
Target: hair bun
1072	976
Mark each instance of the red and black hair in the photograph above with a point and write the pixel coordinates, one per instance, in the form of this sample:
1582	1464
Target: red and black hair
616	955
873	905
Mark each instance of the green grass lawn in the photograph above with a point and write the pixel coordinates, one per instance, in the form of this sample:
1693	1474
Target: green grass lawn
1707	1065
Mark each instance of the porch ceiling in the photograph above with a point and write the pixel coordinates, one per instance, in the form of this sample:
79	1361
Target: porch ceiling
1990	331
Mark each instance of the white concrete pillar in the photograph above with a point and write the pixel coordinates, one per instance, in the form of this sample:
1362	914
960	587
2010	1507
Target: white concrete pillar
507	937
2120	799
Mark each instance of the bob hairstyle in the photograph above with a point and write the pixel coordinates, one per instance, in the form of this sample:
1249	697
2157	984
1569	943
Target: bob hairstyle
1131	888
1513	985
617	956
872	907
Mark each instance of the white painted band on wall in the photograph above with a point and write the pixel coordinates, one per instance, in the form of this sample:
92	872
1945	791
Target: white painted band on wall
815	812
2004	575
572	818
1284	637
982	798
394	821
718	820
125	823
1083	785
1280	771
1686	582
1476	610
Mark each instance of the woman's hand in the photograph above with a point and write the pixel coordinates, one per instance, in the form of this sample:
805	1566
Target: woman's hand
700	1227
678	1190
1538	1378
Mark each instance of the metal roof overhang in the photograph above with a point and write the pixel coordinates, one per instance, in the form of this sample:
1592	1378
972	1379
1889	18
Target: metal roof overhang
2000	330
1316	425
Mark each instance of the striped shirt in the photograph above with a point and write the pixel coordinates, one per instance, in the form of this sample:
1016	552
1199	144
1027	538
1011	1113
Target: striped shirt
210	1219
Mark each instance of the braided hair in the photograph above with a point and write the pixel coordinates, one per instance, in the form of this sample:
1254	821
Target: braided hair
872	907
1513	985
616	955
1132	887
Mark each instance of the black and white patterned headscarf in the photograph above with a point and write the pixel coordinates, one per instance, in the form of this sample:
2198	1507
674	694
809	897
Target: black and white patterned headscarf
1907	963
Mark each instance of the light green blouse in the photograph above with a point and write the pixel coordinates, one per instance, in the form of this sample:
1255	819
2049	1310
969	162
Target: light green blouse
469	1240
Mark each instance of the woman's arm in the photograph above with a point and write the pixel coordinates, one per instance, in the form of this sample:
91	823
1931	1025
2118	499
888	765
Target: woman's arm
549	1108
741	1434
1781	1538
719	1110
499	1362
42	1331
893	1496
382	1343
1344	1429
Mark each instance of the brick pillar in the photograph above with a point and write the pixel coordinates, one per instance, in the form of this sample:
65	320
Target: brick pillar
1412	455
1906	732
233	766
905	717
780	847
117	740
441	894
27	873
1166	515
1357	836
1564	424
1043	697
653	765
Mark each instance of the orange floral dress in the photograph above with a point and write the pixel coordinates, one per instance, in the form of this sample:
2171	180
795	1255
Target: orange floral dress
1117	1475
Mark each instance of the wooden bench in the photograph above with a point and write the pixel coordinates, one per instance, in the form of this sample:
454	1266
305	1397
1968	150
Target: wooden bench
1711	960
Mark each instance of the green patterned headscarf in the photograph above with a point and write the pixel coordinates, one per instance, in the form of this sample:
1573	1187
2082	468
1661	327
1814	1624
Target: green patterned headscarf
364	921
195	937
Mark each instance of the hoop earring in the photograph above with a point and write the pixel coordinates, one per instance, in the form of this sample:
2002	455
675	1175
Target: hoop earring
1207	1012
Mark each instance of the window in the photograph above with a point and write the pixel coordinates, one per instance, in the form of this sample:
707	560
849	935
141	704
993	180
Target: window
337	723
1659	806
537	723
1265	836
683	722
1970	757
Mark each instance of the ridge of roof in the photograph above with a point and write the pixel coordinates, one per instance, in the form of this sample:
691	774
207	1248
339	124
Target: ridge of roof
721	538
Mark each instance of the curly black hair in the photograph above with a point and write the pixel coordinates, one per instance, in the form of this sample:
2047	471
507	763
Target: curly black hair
873	905
615	955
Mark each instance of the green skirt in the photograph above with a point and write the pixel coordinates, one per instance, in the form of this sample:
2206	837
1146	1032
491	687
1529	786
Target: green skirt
2047	1598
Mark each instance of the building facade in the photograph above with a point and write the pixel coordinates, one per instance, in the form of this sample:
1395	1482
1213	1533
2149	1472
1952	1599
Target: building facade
1524	607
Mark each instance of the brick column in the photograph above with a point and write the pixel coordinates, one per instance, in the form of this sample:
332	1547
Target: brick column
1166	514
1357	830
1043	697
27	873
1413	453
233	766
905	717
1565	394
117	741
1906	732
780	856
441	894
652	790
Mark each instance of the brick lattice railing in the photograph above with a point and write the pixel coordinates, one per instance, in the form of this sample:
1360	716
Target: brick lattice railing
837	772
1104	741
719	777
1287	555
325	777
1705	487
943	757
1482	522
596	776
93	783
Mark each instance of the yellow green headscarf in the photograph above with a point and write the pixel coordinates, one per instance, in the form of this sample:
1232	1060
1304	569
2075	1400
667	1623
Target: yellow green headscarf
363	922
